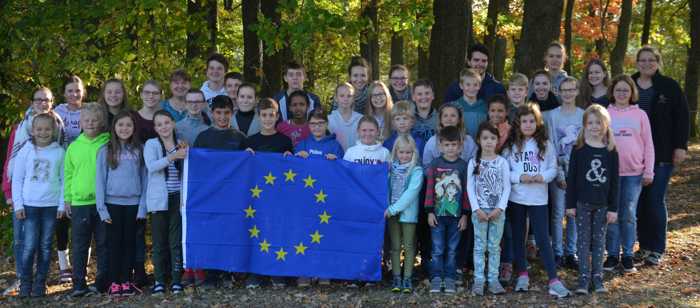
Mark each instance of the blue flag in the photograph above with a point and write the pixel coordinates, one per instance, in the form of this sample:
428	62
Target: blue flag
283	216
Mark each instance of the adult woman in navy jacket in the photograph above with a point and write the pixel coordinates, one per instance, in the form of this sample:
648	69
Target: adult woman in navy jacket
666	105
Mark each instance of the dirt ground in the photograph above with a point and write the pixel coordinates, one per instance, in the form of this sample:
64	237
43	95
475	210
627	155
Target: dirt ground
675	283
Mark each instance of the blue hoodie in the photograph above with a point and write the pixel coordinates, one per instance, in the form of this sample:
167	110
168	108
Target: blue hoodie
327	145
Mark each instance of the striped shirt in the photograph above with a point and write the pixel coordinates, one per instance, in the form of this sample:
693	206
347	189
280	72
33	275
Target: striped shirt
172	181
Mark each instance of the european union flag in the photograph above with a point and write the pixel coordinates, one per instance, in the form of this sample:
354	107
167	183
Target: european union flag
283	216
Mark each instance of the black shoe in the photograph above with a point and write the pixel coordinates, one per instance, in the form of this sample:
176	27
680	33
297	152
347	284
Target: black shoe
571	262
559	261
611	263
628	265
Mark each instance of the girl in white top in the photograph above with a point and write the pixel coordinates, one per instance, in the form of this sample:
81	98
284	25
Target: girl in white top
368	150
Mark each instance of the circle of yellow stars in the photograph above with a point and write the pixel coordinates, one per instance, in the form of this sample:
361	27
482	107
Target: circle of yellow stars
315	237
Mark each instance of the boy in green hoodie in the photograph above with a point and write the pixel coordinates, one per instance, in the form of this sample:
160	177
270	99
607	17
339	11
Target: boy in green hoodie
79	190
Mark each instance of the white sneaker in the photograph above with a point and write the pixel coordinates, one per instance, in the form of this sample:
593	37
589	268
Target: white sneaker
12	289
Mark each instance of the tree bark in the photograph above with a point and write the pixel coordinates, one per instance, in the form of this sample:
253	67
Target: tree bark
423	63
397	56
617	56
648	7
567	33
202	17
369	38
449	29
272	60
499	58
692	73
541	25
491	29
252	56
211	7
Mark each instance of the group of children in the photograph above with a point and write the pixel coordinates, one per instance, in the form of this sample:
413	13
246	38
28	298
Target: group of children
483	165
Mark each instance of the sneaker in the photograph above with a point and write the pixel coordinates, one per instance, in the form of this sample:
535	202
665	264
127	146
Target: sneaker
324	282
522	284
407	285
640	256
600	288
478	289
129	289
436	285
176	288
252	282
396	284
653	259
505	273
199	277
12	289
158	289
496	288
81	292
581	291
187	277
531	250
611	263
303	282
450	286
628	265
559	261
558	289
459	273
278	282
571	262
115	290
65	276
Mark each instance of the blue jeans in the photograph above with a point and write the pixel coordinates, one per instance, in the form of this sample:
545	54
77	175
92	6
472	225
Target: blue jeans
623	231
38	233
539	225
17	242
507	242
653	215
487	236
559	245
445	238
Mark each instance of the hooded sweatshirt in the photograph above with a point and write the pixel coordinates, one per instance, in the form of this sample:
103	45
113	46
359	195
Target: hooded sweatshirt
209	93
327	145
473	113
38	177
367	154
633	140
189	128
345	131
124	185
528	161
71	122
80	169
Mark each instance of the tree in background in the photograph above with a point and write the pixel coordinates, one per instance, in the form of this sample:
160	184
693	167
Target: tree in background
692	74
541	25
617	56
449	29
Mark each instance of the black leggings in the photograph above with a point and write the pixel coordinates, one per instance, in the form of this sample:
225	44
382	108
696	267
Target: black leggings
62	232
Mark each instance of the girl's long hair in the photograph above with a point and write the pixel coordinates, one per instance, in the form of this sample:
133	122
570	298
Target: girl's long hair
51	117
441	110
602	114
102	100
483	127
402	141
585	89
133	144
388	106
517	138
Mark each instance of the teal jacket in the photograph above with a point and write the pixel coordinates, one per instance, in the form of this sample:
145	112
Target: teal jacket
407	205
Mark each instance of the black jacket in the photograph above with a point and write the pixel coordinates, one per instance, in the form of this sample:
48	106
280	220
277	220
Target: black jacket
669	117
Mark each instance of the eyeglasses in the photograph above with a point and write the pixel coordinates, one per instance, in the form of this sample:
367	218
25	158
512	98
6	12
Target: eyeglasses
41	100
319	123
152	93
647	61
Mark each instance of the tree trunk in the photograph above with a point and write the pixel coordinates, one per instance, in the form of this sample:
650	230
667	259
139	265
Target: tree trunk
648	7
369	38
541	25
498	58
397	48
617	56
252	56
692	72
449	29
195	28
491	29
272	59
567	33
211	7
423	63
470	25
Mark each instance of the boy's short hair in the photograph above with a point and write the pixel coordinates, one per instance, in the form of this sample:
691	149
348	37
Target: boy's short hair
218	58
497	99
318	113
538	73
180	74
477	48
359	61
293	65
196	91
518	80
221	102
423	83
97	110
403	108
233	75
398	67
468	73
568	79
268	103
247	85
449	133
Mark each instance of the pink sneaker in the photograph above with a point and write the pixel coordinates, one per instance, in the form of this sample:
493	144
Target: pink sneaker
115	290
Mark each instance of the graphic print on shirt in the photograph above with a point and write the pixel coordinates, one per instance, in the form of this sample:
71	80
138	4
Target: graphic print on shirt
531	161
448	188
567	137
489	185
625	127
41	169
596	173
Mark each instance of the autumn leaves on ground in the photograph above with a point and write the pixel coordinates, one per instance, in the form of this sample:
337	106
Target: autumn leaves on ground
675	283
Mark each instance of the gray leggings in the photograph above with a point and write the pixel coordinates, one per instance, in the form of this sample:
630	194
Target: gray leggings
591	223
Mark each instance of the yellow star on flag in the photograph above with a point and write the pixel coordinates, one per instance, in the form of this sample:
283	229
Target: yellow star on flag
264	246
249	212
316	237
254	231
301	249
256	191
309	181
289	176
281	254
324	217
320	197
270	179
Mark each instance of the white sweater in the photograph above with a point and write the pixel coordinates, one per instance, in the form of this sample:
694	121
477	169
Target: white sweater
38	177
345	131
489	189
528	162
367	154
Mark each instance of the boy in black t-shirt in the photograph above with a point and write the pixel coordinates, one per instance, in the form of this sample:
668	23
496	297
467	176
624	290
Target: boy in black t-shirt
269	139
220	135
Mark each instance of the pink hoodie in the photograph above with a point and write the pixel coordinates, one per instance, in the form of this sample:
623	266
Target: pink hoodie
633	140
